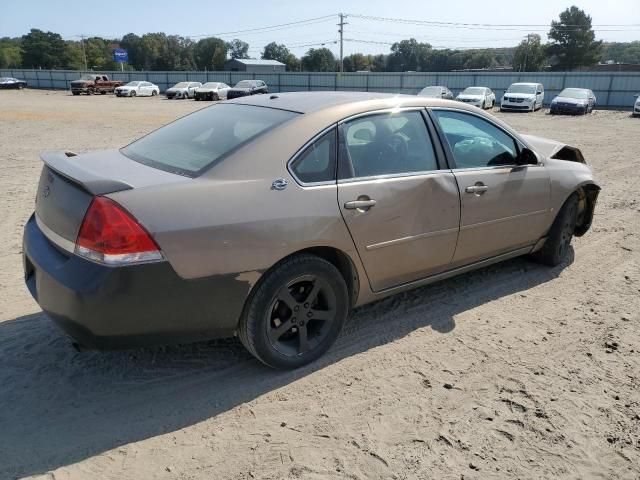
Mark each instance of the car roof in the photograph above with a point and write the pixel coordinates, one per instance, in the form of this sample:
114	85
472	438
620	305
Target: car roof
526	83
307	102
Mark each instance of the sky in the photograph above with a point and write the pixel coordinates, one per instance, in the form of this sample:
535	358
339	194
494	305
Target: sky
614	20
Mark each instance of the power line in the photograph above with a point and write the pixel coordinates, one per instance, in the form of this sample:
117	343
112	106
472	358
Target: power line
460	24
281	26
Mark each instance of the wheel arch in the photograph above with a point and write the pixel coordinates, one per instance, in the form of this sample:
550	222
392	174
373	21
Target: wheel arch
587	197
335	256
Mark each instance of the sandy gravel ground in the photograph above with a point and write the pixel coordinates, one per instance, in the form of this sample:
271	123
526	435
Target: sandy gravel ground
515	371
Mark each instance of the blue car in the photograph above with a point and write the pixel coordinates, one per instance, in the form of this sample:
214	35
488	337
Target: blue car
573	101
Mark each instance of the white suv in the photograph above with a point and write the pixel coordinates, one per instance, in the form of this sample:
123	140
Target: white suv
527	97
636	106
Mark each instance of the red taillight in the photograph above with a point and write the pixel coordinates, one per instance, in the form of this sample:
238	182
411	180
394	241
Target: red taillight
109	234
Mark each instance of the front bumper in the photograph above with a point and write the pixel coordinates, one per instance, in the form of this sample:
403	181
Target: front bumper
122	93
636	110
204	95
121	307
231	94
567	108
79	89
516	106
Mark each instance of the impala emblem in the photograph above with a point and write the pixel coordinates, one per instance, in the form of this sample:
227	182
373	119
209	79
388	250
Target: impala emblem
279	184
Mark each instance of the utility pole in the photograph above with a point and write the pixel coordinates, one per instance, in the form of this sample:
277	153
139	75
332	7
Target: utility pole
341	31
84	54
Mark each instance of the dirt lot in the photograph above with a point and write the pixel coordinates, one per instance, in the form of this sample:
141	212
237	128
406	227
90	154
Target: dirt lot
515	371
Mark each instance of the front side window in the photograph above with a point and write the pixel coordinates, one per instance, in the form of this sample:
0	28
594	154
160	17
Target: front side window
475	142
318	161
386	144
196	142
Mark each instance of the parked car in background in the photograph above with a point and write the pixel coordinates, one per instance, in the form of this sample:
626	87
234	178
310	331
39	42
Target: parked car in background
182	90
247	87
636	106
523	97
138	89
573	101
170	240
212	91
436	92
91	83
481	97
10	82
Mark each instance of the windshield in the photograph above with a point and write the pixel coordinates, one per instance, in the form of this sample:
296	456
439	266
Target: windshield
431	91
181	85
210	85
473	91
577	93
196	142
244	84
132	84
519	88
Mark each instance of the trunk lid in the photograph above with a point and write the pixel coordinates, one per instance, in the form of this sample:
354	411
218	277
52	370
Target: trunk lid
69	182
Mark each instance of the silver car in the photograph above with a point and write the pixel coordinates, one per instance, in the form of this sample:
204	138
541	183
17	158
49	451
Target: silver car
271	217
182	90
436	92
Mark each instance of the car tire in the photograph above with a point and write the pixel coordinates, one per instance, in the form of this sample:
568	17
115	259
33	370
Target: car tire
274	324
484	105
154	93
555	248
215	97
133	93
75	93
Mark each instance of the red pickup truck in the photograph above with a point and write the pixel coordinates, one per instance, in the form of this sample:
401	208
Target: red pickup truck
94	83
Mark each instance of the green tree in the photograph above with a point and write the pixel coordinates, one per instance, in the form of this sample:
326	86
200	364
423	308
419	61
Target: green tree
319	60
621	52
10	53
573	41
238	49
409	55
379	63
293	63
43	50
358	62
210	53
530	55
274	51
479	59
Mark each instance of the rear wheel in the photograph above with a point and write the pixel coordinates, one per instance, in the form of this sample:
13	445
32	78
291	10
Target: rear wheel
555	248
154	93
296	312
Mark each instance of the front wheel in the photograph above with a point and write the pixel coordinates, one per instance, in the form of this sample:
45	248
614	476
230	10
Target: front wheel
296	312
556	247
154	93
133	93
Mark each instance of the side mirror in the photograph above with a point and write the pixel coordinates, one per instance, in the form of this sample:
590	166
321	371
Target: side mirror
527	157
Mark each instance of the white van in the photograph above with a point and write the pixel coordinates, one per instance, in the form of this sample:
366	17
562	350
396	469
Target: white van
527	97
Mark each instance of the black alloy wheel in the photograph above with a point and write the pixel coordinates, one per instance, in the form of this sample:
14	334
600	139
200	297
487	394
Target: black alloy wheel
300	317
295	312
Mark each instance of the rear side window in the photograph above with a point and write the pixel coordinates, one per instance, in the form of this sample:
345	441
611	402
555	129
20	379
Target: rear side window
317	163
385	144
474	142
196	142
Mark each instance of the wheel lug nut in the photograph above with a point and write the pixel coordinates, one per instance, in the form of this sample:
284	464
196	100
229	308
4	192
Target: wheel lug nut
296	308
301	323
306	305
309	314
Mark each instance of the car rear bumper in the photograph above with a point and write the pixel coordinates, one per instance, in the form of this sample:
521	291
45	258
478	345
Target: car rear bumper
105	307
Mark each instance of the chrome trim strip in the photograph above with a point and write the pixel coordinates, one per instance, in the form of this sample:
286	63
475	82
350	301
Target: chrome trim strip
383	110
392	176
54	238
503	219
411	238
456	271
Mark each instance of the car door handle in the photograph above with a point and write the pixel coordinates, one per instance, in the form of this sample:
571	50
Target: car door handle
360	204
478	189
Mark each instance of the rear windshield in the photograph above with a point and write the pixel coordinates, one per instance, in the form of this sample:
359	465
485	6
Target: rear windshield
577	93
519	88
196	142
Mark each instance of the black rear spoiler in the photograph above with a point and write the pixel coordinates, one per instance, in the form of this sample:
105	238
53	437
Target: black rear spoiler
72	169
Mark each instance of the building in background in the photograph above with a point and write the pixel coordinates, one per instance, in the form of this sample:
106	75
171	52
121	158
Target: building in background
254	66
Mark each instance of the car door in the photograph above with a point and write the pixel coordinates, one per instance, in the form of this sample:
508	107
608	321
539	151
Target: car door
223	89
505	206
400	206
